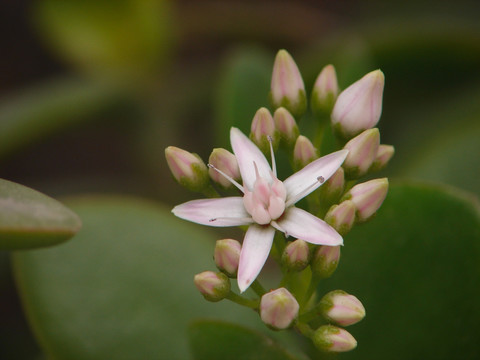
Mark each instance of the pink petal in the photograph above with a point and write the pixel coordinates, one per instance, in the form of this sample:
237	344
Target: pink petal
301	224
222	212
305	181
248	153
255	249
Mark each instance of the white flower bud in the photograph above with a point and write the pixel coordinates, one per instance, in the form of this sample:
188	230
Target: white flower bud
187	168
333	339
279	309
341	308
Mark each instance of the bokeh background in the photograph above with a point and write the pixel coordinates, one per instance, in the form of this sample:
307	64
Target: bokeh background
91	92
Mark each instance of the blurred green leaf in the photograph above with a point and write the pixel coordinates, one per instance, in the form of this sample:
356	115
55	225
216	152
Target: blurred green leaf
40	110
123	287
243	89
215	340
29	219
108	38
415	268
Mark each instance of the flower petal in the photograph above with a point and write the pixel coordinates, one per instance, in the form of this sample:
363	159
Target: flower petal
255	249
301	224
222	212
305	181
248	153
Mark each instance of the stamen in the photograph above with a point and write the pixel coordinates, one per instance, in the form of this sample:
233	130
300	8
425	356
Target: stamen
302	194
274	165
240	187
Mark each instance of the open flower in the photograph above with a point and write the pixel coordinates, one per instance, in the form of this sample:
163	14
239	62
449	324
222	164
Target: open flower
267	204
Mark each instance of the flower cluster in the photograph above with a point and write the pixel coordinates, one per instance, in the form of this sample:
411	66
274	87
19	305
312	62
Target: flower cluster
269	207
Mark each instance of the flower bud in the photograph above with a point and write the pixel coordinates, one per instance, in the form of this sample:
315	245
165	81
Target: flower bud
278	309
341	308
368	197
341	217
359	106
226	162
187	168
362	150
333	339
332	190
287	88
324	92
325	261
384	154
227	256
286	126
296	255
213	286
263	126
303	152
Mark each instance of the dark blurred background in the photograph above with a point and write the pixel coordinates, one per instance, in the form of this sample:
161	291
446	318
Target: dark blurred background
91	92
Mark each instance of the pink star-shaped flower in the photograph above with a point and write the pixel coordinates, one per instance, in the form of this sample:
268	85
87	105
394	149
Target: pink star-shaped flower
267	204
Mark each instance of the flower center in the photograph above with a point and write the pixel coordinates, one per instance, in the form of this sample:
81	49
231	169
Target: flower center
266	202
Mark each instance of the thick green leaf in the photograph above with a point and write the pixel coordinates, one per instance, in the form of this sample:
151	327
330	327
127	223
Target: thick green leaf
29	219
243	89
123	287
416	269
215	340
36	112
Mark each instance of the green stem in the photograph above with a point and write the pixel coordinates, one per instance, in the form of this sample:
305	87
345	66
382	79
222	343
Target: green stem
311	314
310	290
242	301
258	288
304	329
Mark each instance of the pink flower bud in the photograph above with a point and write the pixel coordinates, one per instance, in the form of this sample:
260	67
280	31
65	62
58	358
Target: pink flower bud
333	339
332	190
325	91
227	256
368	197
384	154
341	308
325	261
287	88
263	126
278	309
362	150
303	152
286	126
187	168
296	255
213	286
341	217
359	106
226	162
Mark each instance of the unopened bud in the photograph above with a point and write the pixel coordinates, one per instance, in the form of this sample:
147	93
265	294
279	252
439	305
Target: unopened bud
341	308
384	154
187	168
303	153
262	128
368	197
213	286
332	190
226	162
341	217
296	255
359	106
325	261
278	309
324	92
227	256
286	126
287	88
362	150
333	339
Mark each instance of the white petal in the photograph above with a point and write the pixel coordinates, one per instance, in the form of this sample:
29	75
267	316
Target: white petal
222	212
255	249
305	181
301	224
248	153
